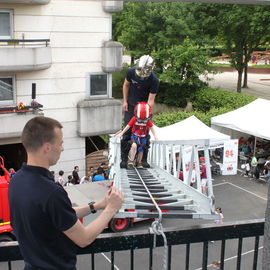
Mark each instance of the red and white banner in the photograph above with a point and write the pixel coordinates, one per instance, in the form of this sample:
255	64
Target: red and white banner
230	157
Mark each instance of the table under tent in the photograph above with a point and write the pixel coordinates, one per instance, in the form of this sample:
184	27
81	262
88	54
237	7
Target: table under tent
249	120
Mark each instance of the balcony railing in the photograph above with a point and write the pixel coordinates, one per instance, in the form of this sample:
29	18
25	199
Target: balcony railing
175	237
24	42
33	2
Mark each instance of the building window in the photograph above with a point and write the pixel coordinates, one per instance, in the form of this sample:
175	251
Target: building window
97	85
7	90
6	19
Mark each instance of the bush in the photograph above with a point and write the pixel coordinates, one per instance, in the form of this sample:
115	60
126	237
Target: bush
209	98
117	82
165	119
178	95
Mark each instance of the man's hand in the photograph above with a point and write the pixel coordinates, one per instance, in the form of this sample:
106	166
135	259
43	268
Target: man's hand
125	106
84	236
114	199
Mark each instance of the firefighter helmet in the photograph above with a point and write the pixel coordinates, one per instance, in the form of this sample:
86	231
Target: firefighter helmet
143	112
145	66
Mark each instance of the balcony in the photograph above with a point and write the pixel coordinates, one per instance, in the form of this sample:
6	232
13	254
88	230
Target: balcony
100	116
37	2
13	119
24	55
187	248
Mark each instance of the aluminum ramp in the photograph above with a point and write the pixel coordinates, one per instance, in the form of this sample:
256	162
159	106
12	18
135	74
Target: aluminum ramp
174	198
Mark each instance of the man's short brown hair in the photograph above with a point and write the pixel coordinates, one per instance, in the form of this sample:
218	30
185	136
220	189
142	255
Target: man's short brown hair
39	130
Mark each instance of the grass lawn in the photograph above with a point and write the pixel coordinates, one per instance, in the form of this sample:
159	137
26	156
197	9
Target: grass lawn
228	65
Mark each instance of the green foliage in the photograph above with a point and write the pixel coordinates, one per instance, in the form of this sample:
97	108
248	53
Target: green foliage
239	29
145	27
117	82
208	98
183	62
208	103
161	29
178	95
165	119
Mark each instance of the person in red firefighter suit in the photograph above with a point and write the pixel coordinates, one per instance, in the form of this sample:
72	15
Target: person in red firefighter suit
141	84
140	123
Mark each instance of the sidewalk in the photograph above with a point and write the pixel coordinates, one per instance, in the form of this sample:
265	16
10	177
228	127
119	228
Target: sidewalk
257	86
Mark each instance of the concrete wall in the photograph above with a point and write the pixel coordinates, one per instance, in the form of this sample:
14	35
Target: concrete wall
23	59
77	30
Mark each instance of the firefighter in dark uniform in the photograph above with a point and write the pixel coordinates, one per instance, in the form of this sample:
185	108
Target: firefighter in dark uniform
141	84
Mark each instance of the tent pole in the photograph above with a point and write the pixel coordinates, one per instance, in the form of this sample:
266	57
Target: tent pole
254	149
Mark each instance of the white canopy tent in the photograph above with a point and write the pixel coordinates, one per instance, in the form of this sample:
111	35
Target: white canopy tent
250	119
191	129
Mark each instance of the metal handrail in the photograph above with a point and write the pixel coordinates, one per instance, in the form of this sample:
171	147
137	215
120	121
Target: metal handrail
23	41
132	240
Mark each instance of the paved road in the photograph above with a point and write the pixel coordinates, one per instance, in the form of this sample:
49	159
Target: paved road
258	84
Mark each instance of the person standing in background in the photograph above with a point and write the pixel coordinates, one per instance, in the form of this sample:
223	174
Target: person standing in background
76	175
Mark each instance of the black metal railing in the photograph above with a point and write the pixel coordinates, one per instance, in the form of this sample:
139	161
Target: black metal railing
251	229
24	42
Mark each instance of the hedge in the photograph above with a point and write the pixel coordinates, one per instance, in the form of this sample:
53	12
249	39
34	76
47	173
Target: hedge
165	119
209	98
207	103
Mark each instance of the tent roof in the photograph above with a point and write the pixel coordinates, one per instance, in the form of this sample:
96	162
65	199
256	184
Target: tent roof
190	129
250	119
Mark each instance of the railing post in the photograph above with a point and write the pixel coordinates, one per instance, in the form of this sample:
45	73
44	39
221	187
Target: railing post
174	161
167	159
187	256
239	253
163	156
256	252
222	254
190	166
208	171
205	256
197	168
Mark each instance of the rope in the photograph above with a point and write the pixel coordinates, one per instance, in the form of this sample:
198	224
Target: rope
156	227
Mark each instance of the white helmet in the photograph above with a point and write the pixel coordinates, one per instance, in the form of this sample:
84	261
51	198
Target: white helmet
144	67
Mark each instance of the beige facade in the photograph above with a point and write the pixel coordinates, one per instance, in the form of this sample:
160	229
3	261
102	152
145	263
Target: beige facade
76	31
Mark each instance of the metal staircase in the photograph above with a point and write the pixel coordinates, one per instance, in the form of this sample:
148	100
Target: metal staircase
146	190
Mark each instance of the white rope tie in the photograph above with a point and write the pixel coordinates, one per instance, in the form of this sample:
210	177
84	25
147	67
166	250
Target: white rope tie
156	227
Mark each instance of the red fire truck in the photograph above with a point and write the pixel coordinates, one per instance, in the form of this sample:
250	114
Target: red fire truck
5	227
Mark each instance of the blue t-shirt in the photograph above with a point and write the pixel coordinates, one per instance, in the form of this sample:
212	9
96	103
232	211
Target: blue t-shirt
40	212
98	177
139	89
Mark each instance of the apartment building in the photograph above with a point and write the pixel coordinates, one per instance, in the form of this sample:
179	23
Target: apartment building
56	60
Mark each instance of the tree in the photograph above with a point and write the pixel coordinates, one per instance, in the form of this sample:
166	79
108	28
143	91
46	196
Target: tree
146	27
161	29
239	29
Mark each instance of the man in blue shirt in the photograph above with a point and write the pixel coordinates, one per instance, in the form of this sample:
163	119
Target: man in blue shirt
45	224
100	175
141	84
